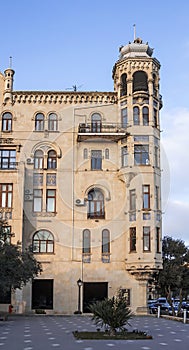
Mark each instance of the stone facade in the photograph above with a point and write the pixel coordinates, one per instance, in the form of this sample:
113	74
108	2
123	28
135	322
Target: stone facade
82	172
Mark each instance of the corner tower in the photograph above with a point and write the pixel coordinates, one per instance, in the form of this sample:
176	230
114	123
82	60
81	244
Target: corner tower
136	81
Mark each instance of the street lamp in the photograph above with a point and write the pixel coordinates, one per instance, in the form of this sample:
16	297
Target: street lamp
79	283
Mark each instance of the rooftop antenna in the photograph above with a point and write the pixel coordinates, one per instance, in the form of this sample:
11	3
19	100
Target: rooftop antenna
74	87
10	61
134	25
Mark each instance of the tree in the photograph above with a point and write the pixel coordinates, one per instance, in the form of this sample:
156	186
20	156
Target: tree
173	279
17	267
112	313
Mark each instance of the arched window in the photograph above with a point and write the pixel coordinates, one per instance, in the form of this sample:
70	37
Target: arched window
86	241
96	204
52	122
43	242
107	153
96	122
155	86
140	81
7	122
145	115
38	160
105	241
52	160
39	122
123	90
85	153
136	120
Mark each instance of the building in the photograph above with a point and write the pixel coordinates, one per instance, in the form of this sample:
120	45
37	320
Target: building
80	180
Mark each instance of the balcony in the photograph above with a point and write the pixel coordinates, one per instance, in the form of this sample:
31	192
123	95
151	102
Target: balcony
112	131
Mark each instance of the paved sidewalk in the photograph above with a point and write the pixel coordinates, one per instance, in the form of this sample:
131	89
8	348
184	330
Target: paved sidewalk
55	332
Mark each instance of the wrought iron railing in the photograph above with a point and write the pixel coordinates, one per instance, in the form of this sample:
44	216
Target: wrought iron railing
102	128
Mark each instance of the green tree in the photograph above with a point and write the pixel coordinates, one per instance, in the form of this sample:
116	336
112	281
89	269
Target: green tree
17	267
173	279
112	313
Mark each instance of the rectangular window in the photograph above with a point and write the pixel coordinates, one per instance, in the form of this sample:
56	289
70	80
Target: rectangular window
105	246
146	238
132	199
141	155
146	196
37	200
96	160
157	198
155	118
124	117
132	239
124	156
86	250
51	201
157	240
156	157
6	192
5	234
141	138
7	159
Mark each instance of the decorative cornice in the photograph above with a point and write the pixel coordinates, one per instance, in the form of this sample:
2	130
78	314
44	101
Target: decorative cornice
59	97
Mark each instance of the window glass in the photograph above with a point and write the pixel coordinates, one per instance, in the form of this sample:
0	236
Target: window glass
136	120
132	195
43	242
146	196
86	241
145	115
146	238
141	154
52	160
105	241
124	117
52	122
39	122
132	239
7	122
7	159
38	160
96	160
96	204
124	156
96	122
51	201
123	91
37	200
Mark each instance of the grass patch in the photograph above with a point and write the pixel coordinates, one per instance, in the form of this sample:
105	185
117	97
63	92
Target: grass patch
135	335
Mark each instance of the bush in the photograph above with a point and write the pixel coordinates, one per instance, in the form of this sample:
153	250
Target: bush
111	313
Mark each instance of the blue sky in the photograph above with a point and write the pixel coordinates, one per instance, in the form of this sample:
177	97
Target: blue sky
56	44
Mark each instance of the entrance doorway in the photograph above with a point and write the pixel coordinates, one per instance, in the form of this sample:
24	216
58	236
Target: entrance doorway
93	291
42	294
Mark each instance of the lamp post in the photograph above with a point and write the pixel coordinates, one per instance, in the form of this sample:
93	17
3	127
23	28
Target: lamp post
79	283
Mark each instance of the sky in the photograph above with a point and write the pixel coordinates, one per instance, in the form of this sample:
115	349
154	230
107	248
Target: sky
56	44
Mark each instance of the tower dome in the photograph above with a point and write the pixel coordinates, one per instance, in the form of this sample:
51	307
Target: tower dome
135	49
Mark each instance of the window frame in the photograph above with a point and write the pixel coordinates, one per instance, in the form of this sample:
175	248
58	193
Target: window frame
145	116
37	200
39	159
7	122
6	195
10	159
39	122
136	115
96	160
132	200
132	235
50	200
49	243
52	122
146	239
141	154
146	197
96	207
52	160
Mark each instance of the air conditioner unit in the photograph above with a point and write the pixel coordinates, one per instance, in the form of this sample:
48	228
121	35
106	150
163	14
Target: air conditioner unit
28	191
28	197
79	202
30	160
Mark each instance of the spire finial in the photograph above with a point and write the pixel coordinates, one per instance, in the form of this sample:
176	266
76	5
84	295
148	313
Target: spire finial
10	61
134	25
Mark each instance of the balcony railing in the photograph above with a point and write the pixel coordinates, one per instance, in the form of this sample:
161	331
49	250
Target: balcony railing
112	131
